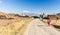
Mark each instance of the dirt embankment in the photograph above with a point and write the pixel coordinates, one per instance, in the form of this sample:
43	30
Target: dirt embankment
11	24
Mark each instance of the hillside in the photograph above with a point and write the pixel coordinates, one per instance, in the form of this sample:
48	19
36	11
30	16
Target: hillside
10	24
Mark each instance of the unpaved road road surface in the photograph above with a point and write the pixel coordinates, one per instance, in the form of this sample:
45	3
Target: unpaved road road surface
37	27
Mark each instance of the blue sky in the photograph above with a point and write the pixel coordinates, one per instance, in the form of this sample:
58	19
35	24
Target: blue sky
30	6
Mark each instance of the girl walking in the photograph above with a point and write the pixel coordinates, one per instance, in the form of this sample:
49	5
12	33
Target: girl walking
49	21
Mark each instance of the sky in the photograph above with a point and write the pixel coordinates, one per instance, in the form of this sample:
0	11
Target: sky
30	6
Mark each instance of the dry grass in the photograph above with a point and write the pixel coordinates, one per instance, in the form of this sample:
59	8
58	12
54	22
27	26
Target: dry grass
55	23
14	26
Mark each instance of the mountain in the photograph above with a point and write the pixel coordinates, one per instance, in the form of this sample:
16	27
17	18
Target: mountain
31	14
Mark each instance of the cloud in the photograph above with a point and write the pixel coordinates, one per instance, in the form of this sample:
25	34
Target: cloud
0	2
26	11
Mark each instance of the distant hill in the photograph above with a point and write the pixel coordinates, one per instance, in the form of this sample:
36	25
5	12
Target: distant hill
2	13
58	13
8	15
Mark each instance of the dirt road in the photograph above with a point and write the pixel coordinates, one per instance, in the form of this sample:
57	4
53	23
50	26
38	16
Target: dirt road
37	27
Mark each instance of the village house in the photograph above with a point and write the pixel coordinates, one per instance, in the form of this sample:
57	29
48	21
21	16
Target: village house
52	16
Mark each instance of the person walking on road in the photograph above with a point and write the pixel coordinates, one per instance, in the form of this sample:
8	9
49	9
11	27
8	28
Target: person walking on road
49	21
